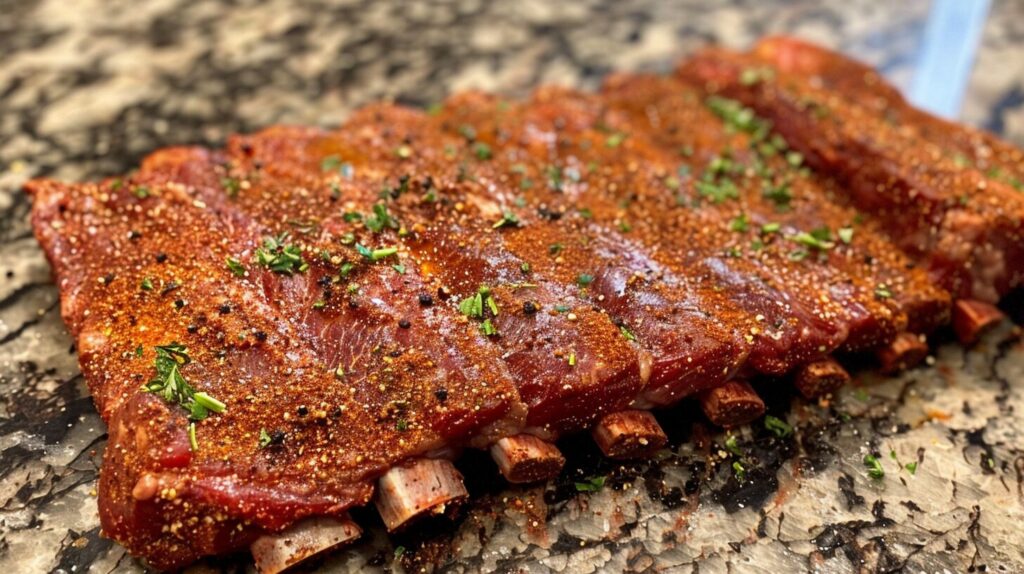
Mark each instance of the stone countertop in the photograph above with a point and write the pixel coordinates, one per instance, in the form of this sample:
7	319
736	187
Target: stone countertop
89	87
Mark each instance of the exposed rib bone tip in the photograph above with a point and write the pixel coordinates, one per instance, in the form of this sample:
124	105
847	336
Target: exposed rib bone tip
629	434
525	458
819	378
732	404
972	319
905	352
418	487
275	553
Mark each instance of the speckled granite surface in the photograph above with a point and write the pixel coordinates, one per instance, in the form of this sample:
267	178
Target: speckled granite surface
88	87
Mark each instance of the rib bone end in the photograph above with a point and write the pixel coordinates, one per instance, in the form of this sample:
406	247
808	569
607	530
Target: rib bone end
275	553
905	352
820	378
525	458
972	319
732	404
418	487
629	434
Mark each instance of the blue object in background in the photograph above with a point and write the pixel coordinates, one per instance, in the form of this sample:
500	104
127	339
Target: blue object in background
950	41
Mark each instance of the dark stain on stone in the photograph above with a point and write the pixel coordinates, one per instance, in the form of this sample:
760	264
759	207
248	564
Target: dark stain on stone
846	488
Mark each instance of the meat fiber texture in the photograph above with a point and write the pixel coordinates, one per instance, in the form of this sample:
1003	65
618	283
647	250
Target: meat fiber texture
268	328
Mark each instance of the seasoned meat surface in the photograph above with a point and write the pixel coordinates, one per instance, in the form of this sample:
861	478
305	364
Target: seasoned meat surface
268	328
966	227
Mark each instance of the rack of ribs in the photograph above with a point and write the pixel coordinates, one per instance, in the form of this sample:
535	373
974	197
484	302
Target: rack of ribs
307	321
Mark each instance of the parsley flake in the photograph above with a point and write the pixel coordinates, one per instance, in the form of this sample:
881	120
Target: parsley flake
874	466
235	266
778	426
592	484
508	219
280	257
171	385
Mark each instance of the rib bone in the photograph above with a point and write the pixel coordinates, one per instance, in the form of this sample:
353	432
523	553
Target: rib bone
629	434
905	352
732	404
525	458
971	319
417	487
820	378
275	553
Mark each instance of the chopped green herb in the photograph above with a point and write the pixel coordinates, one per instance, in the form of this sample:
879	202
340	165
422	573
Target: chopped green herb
740	223
625	227
752	76
482	151
231	186
146	284
882	291
193	442
235	266
402	425
592	484
525	267
718	192
626	333
737	116
141	192
554	174
845	234
330	163
798	255
585	213
778	426
474	305
399	268
279	257
171	386
319	304
874	466
555	248
769	228
731	446
265	439
351	216
375	254
399	550
508	219
380	219
812	240
209	403
911	467
739	471
584	279
778	194
615	140
794	158
467	131
487	328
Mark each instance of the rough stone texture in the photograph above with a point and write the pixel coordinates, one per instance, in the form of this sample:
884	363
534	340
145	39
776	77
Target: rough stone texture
89	87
